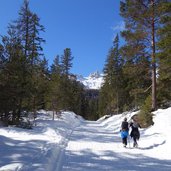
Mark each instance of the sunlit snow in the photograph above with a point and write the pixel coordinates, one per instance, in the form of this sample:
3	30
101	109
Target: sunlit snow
70	143
93	81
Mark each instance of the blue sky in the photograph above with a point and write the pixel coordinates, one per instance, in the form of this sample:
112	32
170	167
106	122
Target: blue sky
86	26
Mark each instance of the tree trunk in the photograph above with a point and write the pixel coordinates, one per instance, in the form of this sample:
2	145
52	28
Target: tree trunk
154	105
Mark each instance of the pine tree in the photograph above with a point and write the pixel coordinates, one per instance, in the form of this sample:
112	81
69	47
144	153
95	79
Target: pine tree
43	77
21	50
113	81
65	93
2	57
164	55
12	92
28	29
66	61
142	20
56	66
136	76
144	115
54	91
76	97
66	65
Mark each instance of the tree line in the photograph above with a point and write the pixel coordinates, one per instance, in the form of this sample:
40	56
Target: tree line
27	84
137	75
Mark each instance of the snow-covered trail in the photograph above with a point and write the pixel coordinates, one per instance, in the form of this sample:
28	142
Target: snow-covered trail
91	147
70	143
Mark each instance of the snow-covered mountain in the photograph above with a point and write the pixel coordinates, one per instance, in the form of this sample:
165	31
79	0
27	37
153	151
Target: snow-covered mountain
93	81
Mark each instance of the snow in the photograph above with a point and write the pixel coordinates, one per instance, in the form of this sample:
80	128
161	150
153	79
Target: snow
93	81
38	148
70	143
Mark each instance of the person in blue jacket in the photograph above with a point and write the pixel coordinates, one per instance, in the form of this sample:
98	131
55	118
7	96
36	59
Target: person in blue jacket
124	131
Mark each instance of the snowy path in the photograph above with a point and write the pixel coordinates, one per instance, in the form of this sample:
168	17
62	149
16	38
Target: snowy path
70	143
91	147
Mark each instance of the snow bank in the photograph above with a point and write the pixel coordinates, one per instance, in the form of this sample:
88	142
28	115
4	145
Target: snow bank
98	146
155	140
42	148
157	137
114	122
38	148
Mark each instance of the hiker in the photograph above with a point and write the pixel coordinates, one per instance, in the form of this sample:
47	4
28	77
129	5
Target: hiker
135	134
124	131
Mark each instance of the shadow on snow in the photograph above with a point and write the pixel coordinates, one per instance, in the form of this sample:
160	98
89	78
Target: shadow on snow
86	160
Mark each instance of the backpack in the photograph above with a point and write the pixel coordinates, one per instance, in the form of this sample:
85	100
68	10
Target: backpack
124	126
124	134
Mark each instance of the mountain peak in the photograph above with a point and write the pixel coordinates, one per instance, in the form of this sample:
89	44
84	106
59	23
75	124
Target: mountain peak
93	81
95	74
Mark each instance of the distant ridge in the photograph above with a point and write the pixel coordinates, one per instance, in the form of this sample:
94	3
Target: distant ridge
93	81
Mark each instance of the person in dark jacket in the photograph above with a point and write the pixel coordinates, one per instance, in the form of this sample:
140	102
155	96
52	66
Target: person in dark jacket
135	134
124	131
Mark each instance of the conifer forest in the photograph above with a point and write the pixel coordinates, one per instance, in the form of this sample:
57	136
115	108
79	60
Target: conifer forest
137	75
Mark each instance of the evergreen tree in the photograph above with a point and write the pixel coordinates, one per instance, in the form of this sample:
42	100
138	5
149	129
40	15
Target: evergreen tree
113	81
28	29
76	97
66	61
43	77
54	90
12	92
2	57
66	64
164	55
136	76
65	93
56	66
21	50
142	20
144	115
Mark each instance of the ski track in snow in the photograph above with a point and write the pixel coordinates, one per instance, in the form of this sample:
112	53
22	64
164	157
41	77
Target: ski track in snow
70	143
93	148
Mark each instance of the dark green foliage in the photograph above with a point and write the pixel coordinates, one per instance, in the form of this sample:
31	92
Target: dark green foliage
28	29
25	82
111	92
91	101
27	85
41	84
130	72
143	19
12	82
66	61
145	116
141	23
56	66
103	102
164	55
22	70
64	92
53	95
